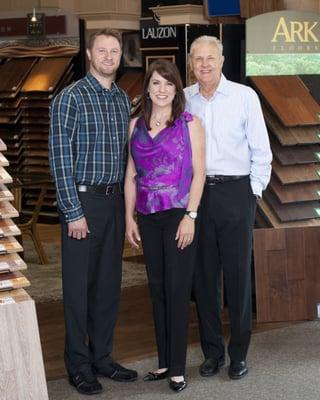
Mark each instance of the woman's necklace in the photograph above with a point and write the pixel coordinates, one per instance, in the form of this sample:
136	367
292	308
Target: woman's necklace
158	121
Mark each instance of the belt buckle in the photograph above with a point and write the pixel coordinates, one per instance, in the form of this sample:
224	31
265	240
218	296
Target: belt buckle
110	190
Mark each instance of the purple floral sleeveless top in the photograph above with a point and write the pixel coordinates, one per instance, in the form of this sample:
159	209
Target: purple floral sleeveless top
163	165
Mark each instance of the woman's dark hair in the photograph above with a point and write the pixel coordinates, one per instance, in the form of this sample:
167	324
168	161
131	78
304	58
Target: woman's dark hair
170	72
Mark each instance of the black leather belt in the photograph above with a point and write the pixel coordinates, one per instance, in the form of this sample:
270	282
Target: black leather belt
215	179
101	189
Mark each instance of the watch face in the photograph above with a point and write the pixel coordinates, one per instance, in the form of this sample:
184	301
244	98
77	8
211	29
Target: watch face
192	214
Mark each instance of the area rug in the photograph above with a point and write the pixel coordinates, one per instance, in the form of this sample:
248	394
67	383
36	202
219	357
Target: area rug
283	364
46	279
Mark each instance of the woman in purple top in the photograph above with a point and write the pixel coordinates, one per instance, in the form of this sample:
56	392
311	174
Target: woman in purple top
164	182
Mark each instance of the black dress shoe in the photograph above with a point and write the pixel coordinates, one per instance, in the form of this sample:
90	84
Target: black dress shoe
116	372
211	366
154	376
177	386
237	369
85	382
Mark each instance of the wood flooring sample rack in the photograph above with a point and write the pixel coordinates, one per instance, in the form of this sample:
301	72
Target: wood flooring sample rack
22	375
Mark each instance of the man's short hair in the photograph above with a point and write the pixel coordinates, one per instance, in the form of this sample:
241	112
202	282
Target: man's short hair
207	39
104	32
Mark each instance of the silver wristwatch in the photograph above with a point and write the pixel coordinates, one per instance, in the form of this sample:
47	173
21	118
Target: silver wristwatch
192	214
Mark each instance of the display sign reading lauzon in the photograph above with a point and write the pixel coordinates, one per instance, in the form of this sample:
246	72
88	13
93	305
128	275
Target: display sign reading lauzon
283	43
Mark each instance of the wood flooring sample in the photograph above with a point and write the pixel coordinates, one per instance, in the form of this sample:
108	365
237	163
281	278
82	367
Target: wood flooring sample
289	98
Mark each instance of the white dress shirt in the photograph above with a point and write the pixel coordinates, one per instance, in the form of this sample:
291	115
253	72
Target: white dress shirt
237	141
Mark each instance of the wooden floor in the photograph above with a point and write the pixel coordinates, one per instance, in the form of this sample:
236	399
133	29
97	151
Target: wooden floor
134	335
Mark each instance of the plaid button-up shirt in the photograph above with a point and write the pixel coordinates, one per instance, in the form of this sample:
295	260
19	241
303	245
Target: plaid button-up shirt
87	140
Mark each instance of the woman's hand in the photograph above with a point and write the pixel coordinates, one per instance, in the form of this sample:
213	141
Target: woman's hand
185	232
132	232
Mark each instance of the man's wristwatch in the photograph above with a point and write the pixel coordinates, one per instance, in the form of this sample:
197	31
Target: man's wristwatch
192	214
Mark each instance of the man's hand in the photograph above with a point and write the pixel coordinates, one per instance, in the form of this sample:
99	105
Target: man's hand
78	229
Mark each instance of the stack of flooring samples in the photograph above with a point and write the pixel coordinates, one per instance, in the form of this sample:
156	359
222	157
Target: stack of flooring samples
21	369
29	86
292	113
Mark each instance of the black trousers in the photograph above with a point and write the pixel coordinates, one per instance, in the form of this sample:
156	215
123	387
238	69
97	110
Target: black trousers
91	277
170	272
225	245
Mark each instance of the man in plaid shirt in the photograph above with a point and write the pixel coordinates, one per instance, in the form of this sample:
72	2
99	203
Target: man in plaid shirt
87	152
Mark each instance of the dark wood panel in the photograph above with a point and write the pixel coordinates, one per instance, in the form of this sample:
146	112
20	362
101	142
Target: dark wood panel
296	192
289	99
296	173
250	8
291	136
46	74
291	155
293	211
281	279
13	72
311	257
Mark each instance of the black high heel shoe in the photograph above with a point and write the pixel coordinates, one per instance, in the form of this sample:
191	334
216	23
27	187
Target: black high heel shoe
177	386
154	376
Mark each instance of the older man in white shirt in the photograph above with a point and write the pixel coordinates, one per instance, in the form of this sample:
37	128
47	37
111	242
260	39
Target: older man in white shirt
238	161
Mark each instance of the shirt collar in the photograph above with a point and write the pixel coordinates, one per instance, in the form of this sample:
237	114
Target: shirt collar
96	85
223	87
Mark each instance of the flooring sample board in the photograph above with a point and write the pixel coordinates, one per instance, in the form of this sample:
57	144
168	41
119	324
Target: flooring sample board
13	72
35	104
10	103
293	211
8	228
21	370
287	273
296	192
291	155
11	263
4	176
3	161
289	99
291	136
296	173
3	146
7	210
9	245
270	216
312	82
46	74
13	280
5	194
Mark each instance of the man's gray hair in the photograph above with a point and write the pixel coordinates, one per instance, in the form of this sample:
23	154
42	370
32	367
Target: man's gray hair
207	39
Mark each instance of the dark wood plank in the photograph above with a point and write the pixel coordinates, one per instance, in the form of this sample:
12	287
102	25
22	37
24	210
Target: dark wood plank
290	136
280	274
293	211
296	173
13	72
296	192
291	155
46	74
289	99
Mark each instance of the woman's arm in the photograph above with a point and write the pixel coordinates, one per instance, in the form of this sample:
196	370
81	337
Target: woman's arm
185	232
130	194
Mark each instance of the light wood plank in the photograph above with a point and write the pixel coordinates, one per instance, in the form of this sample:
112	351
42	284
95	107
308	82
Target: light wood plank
9	245
7	210
11	262
8	228
21	370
